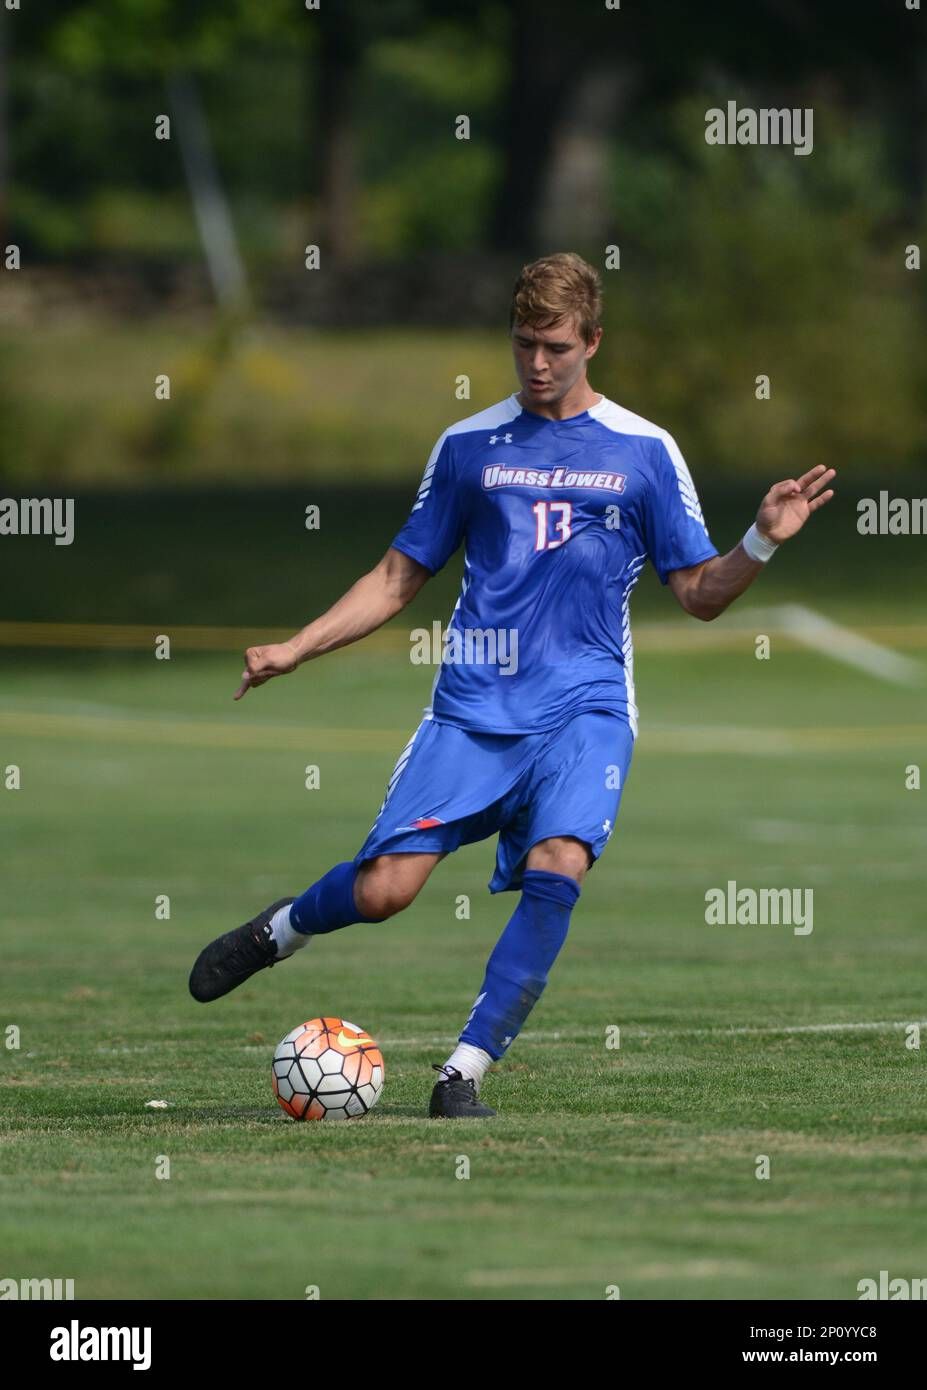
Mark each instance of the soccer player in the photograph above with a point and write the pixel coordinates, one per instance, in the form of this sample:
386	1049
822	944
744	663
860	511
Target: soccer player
560	497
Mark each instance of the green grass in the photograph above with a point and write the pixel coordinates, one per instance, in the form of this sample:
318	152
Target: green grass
307	407
271	405
632	1166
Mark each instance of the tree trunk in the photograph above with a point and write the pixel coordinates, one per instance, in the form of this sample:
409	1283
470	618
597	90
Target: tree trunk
337	63
4	145
545	68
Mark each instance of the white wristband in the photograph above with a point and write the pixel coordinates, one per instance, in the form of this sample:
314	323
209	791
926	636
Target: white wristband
757	546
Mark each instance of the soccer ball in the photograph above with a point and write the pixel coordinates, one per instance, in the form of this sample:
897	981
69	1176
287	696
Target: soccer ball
327	1069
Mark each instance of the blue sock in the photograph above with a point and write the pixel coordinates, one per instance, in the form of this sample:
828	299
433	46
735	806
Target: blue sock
329	903
518	967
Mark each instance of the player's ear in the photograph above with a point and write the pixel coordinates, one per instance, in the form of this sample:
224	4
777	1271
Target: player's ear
592	346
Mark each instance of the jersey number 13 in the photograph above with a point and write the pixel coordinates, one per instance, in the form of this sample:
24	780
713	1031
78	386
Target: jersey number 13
545	512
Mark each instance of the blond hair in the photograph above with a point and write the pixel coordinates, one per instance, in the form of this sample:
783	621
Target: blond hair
553	287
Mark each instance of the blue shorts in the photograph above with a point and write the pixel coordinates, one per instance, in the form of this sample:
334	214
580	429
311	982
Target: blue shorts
451	787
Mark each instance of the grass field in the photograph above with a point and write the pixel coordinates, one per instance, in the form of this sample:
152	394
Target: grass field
634	1166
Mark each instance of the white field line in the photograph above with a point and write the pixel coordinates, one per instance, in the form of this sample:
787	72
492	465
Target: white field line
579	1034
203	734
582	1033
822	635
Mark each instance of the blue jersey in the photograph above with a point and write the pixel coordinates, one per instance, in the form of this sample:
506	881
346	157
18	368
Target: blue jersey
558	518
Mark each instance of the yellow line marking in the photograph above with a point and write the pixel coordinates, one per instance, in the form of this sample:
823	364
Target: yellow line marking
187	733
138	637
648	636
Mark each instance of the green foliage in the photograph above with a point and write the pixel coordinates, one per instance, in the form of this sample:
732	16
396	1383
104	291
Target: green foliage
155	36
736	262
437	201
747	261
350	405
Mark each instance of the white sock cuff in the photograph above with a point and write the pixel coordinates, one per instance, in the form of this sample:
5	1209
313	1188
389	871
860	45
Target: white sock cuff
470	1061
288	939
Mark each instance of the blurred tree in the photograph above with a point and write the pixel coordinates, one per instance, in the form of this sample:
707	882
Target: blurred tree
4	143
546	45
848	53
338	117
345	33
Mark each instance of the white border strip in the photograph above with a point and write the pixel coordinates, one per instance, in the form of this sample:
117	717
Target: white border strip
822	635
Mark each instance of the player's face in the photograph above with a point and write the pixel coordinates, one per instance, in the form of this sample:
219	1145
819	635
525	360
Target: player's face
551	361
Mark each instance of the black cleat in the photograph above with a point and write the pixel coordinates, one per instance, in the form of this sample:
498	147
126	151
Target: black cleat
231	959
455	1097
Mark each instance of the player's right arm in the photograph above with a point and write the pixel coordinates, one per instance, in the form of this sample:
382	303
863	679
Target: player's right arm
367	605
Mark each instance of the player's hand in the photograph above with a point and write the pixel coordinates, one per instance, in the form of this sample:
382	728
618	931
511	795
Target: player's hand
263	663
787	506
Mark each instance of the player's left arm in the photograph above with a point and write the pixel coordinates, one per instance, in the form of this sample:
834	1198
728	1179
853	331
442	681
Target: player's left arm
705	590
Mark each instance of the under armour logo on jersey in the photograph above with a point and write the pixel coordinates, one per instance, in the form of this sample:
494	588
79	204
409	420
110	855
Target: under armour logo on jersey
494	438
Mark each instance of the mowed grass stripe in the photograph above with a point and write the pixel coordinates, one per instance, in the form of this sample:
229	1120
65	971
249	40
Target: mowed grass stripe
204	733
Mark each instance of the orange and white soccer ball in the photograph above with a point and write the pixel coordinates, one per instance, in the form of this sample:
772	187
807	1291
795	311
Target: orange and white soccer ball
327	1069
